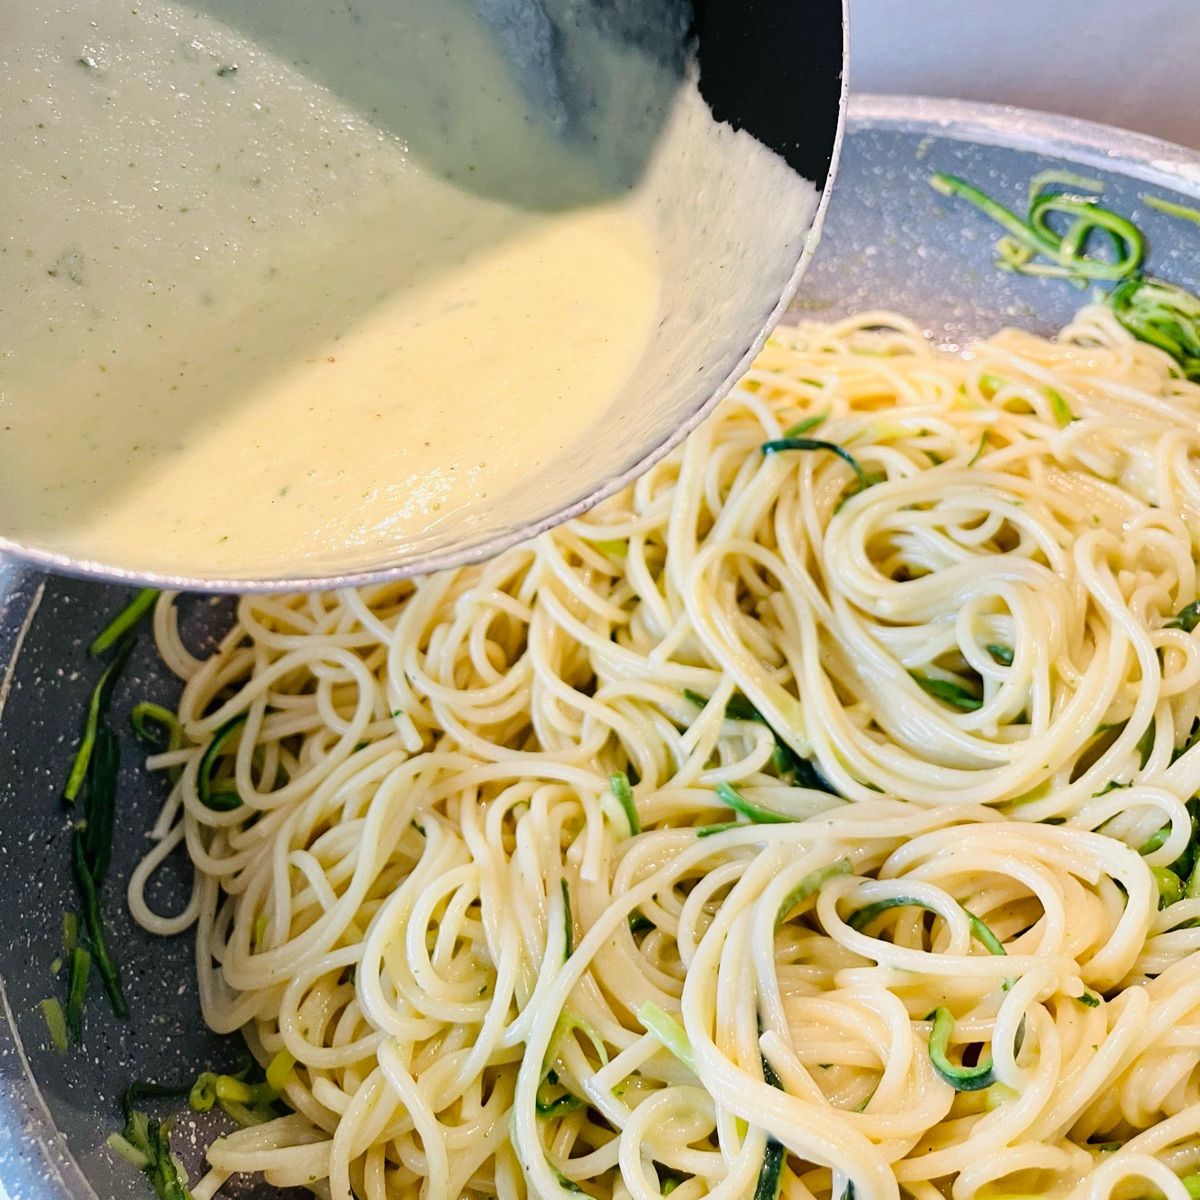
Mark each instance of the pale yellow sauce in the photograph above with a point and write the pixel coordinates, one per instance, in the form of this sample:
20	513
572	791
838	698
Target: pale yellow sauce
422	408
248	330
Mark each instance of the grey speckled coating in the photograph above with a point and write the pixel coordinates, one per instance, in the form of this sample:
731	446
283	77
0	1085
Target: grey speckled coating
889	240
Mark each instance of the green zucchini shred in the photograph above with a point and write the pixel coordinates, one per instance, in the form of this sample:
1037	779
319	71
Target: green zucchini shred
732	798
703	831
106	965
56	1023
668	1181
100	804
1060	408
1170	886
807	425
1184	211
212	797
962	1079
79	965
950	693
811	883
155	725
1163	315
1145	745
150	1139
568	921
248	1100
667	1031
789	766
770	1177
639	922
1186	619
1152	310
93	715
559	1106
860	919
782	444
1155	841
1032	238
124	621
618	781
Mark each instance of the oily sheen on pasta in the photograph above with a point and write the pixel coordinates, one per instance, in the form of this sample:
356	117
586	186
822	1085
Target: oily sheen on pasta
900	898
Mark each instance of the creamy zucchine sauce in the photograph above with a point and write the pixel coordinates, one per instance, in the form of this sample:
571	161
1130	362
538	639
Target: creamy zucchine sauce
245	325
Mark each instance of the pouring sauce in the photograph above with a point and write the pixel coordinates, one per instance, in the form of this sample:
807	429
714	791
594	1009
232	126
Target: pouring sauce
246	323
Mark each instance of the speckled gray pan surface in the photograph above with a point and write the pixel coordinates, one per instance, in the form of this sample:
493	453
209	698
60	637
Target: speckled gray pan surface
889	240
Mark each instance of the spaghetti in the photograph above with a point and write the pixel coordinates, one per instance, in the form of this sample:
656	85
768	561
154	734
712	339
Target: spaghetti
815	822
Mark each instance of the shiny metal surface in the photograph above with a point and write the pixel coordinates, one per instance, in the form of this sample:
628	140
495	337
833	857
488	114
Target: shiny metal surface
890	240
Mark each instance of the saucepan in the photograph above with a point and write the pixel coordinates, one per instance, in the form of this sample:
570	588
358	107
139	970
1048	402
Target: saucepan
731	233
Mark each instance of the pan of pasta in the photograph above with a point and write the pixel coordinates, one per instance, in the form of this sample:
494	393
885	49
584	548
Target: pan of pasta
816	817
